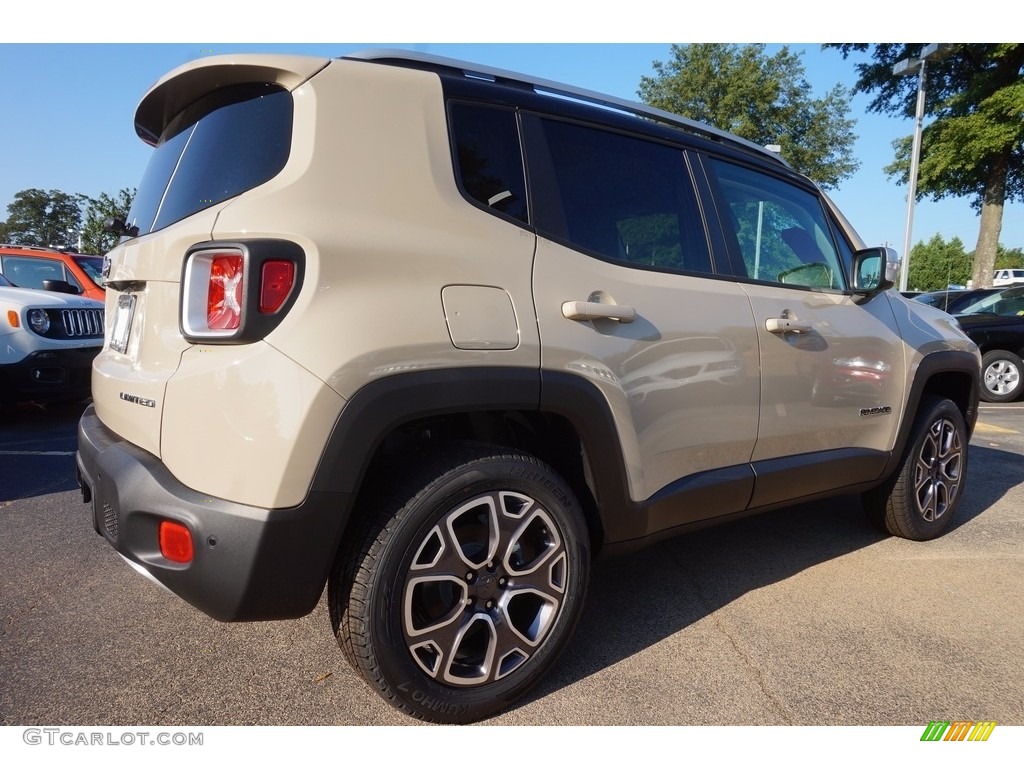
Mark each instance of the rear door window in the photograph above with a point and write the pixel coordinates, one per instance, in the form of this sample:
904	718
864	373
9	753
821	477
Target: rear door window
620	197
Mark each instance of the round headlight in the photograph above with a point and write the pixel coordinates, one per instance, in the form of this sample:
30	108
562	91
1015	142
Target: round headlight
39	321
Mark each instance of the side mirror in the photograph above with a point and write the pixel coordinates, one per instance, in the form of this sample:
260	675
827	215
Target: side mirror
875	270
118	226
60	286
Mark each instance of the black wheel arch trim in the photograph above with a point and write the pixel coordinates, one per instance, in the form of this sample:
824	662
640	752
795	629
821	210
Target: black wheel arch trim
960	363
384	405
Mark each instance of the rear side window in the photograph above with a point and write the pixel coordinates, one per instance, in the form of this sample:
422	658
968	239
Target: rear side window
618	196
226	143
780	229
488	160
92	266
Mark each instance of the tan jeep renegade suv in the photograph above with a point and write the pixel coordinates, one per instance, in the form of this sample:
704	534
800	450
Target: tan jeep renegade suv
435	336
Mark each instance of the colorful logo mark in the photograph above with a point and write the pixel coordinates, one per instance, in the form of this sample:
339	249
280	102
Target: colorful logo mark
958	730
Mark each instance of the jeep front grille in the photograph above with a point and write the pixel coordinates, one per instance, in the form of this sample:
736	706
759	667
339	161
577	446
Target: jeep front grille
82	322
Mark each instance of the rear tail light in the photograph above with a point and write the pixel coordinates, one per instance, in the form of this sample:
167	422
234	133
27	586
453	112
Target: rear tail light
224	292
175	542
238	292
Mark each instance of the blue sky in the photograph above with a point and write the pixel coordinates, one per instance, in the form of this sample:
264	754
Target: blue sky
70	105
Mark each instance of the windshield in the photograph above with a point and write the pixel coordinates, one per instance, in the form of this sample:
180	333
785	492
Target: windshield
1005	303
226	143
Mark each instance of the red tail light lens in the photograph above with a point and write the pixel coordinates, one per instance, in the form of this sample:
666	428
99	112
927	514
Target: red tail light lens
275	284
237	293
224	295
175	542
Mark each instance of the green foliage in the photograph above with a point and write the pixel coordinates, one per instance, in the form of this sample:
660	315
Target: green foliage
958	150
765	99
652	239
973	146
56	219
1009	258
765	254
50	218
95	238
937	264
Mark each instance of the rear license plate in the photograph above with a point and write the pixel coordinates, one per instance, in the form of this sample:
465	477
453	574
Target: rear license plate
122	322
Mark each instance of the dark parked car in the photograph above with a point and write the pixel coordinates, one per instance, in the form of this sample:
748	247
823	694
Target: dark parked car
955	299
995	322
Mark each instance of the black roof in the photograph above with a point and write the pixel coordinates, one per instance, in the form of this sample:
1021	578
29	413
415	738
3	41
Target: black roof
498	80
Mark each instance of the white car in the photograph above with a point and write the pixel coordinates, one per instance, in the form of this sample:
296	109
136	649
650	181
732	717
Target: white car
47	344
1007	277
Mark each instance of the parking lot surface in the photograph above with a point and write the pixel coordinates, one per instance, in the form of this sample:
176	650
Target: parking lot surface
803	616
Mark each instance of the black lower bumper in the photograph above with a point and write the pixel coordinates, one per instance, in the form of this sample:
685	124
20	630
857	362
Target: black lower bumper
61	374
249	563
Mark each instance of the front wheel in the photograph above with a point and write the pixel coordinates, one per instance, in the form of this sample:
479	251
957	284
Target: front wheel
919	501
1001	376
465	583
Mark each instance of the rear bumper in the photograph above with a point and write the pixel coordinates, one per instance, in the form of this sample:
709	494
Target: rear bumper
248	564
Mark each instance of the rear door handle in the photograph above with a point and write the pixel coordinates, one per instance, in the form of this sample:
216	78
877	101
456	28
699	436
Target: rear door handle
593	310
786	325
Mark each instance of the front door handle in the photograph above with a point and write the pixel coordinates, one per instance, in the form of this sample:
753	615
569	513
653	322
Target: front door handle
593	310
786	325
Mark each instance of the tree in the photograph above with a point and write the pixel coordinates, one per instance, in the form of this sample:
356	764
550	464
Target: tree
765	99
51	218
95	238
937	264
973	146
1009	258
56	219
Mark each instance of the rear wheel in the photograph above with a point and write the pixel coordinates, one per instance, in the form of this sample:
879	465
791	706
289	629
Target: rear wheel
919	501
1001	376
465	584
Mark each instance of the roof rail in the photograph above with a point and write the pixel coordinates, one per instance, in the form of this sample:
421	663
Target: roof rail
539	85
28	247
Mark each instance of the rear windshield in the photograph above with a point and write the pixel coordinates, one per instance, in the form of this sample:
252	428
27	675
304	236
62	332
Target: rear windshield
226	143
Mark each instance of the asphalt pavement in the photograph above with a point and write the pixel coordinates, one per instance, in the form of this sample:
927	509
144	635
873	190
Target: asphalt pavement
803	616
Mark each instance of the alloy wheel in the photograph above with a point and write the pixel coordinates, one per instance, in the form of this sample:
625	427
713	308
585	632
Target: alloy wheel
938	471
483	589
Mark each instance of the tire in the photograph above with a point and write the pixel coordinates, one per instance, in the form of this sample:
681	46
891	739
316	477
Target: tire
464	584
921	498
1001	380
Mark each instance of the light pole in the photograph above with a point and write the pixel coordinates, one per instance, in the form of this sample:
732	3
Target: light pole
910	66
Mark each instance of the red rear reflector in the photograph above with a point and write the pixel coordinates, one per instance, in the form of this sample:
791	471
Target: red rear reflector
276	283
175	542
224	295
